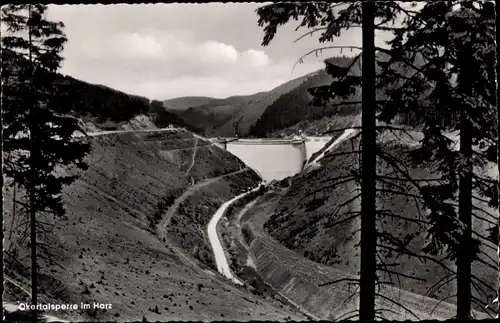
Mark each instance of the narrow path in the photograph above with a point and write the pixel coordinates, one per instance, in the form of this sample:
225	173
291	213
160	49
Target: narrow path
195	149
17	284
110	132
162	226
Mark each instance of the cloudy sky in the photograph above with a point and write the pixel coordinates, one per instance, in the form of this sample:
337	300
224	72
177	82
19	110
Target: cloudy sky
163	51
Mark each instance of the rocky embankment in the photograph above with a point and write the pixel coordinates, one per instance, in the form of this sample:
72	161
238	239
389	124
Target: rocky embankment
107	247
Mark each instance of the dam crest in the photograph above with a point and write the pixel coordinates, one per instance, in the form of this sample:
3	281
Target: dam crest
273	158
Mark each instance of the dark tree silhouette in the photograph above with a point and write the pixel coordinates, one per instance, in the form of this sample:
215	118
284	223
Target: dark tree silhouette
413	81
37	138
368	270
457	78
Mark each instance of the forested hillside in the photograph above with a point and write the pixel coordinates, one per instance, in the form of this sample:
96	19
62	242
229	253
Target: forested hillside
186	102
225	117
102	105
289	106
297	106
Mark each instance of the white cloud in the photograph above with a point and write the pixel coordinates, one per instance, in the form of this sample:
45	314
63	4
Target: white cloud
162	51
256	58
212	51
138	45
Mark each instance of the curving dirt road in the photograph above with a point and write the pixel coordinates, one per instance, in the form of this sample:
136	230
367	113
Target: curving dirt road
195	149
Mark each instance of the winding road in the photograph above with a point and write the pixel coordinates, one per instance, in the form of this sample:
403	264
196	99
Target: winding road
220	257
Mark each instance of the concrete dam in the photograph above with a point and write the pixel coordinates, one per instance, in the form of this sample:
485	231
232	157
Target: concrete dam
273	159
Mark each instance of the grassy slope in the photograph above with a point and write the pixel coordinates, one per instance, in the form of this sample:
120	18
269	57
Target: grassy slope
304	221
299	279
104	250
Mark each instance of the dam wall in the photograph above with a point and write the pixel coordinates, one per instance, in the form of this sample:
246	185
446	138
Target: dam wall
273	159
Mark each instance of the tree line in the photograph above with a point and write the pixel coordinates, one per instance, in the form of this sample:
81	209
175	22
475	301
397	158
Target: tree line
437	71
98	102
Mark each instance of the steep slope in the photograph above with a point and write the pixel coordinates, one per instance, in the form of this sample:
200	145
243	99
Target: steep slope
108	247
217	117
294	111
313	218
295	106
186	102
217	112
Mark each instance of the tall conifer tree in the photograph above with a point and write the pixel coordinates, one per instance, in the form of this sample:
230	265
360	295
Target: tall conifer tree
37	135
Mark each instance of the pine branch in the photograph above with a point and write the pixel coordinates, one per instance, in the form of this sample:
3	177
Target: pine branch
398	304
400	217
385	266
323	181
334	185
355	215
347	316
351	280
319	50
479	199
474	277
441	301
426	180
490	266
385	310
311	32
443	281
485	239
483	219
344	153
338	130
413	254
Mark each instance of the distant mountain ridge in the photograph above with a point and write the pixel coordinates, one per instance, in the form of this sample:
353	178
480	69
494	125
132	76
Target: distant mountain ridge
103	106
259	114
186	102
217	116
284	109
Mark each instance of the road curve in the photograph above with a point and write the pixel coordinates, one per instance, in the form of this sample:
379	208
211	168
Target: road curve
220	257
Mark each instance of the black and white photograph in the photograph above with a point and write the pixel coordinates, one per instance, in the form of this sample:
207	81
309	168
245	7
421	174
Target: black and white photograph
250	161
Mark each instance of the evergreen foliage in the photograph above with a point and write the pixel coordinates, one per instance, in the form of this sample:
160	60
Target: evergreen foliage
37	137
439	73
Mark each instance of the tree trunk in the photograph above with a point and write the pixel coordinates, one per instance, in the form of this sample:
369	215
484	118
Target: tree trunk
498	168
464	261
368	168
32	176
